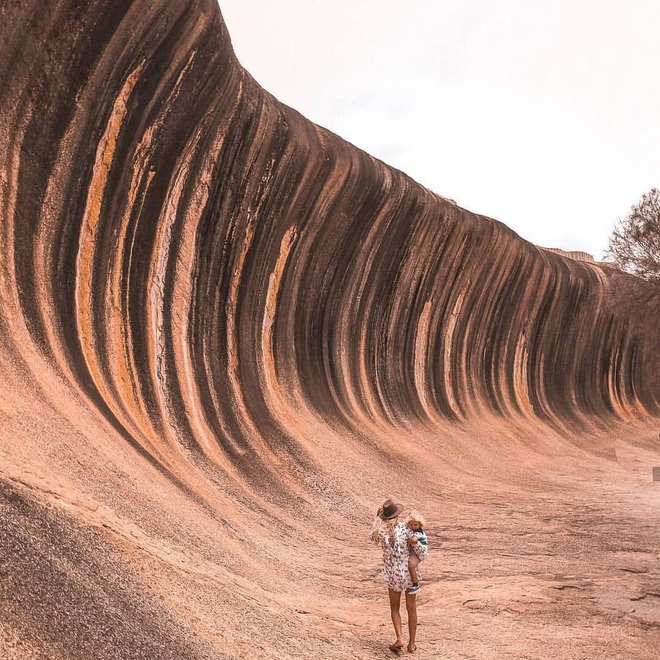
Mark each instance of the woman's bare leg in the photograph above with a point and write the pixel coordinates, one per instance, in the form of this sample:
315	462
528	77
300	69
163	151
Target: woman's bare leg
411	606
395	603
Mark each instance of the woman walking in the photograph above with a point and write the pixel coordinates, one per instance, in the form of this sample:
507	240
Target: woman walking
398	541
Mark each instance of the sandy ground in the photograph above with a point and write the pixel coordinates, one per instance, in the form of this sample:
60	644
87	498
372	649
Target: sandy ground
562	564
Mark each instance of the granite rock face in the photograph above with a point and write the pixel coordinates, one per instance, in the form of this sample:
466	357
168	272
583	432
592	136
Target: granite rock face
204	272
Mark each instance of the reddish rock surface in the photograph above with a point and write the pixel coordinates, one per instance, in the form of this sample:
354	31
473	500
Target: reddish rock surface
226	335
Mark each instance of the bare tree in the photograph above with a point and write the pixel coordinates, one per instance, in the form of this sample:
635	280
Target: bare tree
637	303
635	242
634	291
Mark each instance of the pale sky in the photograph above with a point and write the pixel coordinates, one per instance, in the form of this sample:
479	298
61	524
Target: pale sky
542	114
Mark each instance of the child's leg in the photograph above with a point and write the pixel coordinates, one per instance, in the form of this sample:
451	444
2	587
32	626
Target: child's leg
413	572
413	562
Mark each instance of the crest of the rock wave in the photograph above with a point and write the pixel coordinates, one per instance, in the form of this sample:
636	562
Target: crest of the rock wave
226	334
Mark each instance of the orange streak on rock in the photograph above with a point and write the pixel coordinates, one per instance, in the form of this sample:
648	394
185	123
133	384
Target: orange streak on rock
88	246
271	382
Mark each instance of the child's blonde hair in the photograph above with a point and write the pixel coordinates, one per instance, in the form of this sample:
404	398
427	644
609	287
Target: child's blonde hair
416	516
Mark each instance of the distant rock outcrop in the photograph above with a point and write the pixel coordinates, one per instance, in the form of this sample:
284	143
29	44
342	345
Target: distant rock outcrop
572	254
193	274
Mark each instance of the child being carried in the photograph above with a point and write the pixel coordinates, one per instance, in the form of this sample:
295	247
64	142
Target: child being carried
416	523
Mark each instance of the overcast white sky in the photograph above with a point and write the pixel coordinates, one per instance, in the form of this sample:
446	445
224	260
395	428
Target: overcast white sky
542	114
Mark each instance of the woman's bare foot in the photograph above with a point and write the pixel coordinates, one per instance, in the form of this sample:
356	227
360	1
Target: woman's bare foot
412	648
397	647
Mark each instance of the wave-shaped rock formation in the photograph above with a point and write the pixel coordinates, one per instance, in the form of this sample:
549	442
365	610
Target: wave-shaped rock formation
216	315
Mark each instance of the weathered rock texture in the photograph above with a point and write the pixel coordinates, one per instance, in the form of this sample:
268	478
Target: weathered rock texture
215	313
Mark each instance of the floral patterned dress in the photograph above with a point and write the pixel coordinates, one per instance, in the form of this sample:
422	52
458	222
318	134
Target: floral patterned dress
395	556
